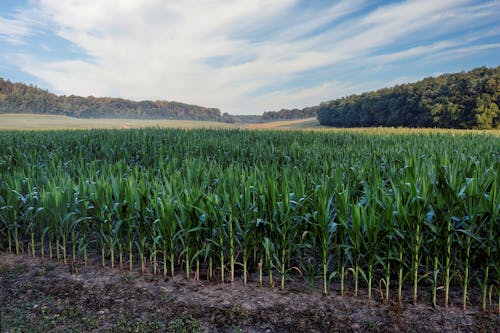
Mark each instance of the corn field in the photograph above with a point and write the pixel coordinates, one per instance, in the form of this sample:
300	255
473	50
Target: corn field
388	214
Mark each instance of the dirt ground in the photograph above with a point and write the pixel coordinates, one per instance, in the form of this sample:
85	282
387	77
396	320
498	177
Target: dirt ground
45	296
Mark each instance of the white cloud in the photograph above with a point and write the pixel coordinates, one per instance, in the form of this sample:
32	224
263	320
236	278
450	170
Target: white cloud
155	49
13	30
309	96
415	52
459	52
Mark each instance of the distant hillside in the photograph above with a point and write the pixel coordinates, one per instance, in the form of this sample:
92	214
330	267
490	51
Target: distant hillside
461	100
22	98
286	114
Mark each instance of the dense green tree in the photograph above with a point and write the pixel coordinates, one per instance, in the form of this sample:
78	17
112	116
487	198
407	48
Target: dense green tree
286	114
461	100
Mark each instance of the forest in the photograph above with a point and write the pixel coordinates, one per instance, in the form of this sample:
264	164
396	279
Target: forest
22	98
460	100
286	114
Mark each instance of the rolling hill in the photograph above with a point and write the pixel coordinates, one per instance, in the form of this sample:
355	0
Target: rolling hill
22	98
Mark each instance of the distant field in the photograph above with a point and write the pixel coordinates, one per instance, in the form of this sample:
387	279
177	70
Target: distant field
54	122
307	123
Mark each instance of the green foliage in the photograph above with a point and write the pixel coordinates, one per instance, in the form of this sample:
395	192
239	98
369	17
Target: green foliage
285	114
186	325
366	209
461	100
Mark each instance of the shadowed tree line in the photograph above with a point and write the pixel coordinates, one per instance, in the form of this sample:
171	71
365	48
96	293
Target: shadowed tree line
460	100
22	98
286	114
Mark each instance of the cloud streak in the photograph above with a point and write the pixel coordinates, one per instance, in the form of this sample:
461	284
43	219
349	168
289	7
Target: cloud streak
14	30
245	56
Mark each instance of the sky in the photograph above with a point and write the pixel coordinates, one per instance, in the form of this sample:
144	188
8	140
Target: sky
241	56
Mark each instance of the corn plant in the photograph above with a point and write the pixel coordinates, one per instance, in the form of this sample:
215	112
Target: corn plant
325	226
392	206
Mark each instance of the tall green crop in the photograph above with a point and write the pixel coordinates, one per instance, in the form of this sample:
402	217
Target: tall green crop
396	209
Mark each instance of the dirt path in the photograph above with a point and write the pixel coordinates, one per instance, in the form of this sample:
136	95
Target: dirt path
44	296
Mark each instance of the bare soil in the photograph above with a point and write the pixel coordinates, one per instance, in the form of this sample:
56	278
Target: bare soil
45	296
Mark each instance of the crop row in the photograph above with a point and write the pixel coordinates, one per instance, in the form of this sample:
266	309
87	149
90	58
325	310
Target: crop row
383	210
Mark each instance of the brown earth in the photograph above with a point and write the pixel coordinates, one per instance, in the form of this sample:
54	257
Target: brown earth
44	296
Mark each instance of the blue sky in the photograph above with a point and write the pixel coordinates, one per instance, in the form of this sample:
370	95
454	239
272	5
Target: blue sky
242	56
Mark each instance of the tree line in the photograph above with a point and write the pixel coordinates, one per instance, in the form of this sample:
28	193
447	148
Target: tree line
460	100
22	98
286	114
